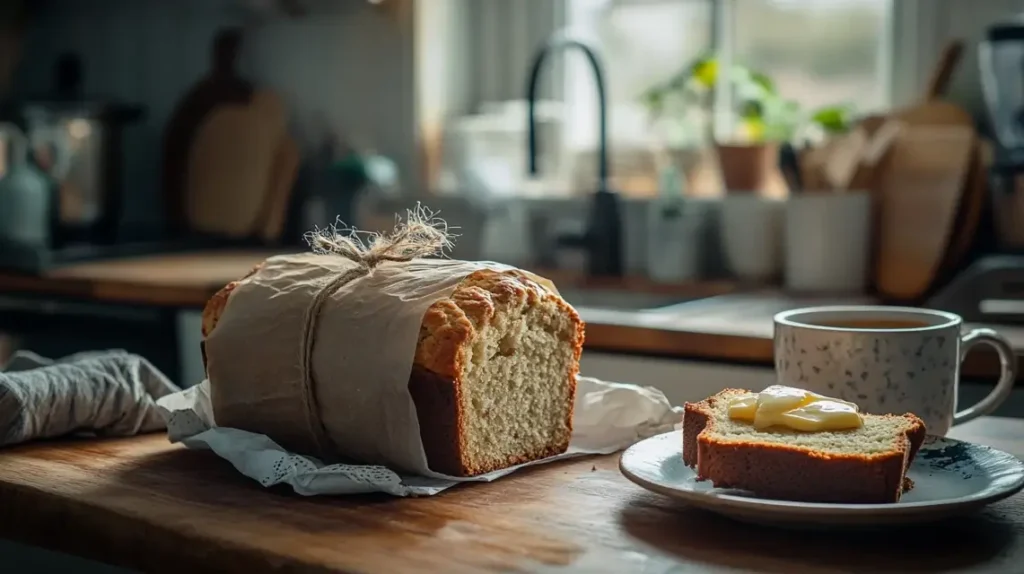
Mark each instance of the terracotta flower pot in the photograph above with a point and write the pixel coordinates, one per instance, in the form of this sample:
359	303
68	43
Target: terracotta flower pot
748	168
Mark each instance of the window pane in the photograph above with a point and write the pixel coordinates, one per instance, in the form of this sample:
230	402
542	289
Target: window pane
818	52
643	43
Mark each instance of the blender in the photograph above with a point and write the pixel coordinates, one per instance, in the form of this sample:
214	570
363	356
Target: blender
992	288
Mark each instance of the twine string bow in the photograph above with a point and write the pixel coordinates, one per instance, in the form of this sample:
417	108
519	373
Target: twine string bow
421	235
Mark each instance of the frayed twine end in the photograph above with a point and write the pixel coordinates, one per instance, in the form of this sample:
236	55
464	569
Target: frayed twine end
422	234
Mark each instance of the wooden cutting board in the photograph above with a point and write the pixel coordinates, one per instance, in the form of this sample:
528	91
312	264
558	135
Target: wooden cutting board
920	188
933	112
844	160
230	166
221	85
942	73
282	181
972	206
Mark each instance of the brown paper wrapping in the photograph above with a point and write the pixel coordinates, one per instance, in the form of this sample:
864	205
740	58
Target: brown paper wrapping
364	345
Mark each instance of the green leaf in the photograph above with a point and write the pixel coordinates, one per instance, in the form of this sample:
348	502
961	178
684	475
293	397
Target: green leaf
705	71
654	99
763	114
680	79
752	109
764	81
834	119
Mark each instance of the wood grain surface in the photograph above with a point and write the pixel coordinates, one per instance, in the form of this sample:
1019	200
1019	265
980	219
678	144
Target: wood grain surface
145	504
182	280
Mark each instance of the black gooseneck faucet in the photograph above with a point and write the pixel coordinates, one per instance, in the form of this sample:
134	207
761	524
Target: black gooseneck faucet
602	239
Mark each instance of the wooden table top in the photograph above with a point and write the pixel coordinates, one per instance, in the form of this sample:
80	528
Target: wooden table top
145	504
178	280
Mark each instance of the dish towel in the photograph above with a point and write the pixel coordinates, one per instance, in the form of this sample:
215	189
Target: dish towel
109	393
608	418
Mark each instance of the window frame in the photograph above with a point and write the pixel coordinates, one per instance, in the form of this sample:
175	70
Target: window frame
918	29
906	16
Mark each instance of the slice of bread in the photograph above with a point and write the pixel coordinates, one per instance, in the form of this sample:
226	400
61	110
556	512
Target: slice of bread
860	466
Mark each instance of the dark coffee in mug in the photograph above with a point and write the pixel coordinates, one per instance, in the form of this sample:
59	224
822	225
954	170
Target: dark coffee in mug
871	324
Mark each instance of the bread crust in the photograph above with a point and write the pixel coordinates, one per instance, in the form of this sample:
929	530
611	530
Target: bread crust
435	384
440	357
215	306
797	473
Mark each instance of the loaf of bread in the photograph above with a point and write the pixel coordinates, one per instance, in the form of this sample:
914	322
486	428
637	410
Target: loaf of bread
494	373
862	465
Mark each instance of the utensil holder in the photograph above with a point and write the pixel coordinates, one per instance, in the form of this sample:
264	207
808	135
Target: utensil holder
751	236
674	242
827	242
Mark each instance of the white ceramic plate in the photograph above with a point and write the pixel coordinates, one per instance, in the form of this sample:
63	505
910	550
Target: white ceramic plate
950	477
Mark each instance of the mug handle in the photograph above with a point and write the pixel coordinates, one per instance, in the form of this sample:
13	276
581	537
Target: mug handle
1007	367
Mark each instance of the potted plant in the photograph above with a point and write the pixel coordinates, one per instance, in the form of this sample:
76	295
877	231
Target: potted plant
764	119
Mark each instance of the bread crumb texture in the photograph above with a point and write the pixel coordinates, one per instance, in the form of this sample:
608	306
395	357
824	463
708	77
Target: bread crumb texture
511	350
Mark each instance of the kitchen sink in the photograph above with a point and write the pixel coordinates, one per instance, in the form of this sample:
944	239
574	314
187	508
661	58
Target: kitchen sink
615	300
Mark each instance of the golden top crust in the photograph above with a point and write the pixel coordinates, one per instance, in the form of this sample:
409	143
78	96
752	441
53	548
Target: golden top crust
450	322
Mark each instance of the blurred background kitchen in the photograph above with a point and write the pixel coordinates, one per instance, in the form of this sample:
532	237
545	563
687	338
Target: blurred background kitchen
683	169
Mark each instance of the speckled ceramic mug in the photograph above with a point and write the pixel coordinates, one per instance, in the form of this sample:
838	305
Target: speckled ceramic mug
887	360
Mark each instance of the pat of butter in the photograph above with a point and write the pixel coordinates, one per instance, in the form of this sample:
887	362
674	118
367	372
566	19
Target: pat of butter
797	409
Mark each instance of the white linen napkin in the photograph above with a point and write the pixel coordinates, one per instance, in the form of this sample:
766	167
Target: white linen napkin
608	418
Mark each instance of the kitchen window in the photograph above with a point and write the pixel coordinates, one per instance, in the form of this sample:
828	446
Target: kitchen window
816	52
870	54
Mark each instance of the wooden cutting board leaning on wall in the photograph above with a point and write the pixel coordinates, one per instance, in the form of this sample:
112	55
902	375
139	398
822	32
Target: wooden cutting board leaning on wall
972	206
230	166
919	192
282	179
